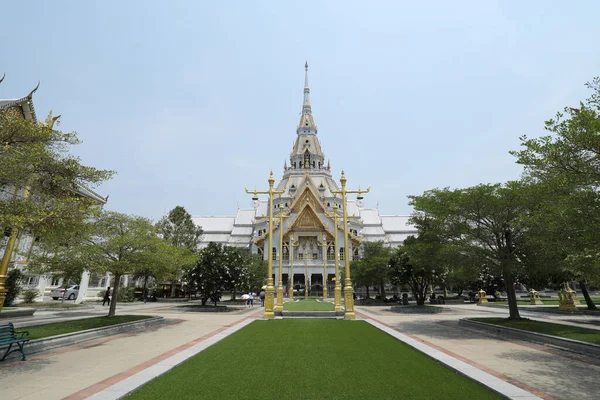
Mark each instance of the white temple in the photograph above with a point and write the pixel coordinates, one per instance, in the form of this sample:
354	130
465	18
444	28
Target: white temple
307	201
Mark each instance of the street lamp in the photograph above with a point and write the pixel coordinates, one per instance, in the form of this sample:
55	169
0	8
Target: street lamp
269	298
337	296
323	245
279	306
348	292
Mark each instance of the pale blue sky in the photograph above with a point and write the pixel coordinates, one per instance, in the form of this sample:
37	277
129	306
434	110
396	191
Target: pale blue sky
192	101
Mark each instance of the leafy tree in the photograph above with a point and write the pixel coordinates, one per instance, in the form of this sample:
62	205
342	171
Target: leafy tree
210	275
569	160
178	229
485	223
373	267
257	272
418	264
121	244
45	178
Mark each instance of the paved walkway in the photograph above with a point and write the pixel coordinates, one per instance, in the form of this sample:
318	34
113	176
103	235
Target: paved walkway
61	373
546	372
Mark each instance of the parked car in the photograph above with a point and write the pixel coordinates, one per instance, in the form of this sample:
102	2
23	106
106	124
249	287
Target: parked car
71	293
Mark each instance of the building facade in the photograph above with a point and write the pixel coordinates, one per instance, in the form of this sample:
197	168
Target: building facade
308	202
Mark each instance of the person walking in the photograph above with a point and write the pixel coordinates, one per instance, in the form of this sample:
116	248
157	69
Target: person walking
106	296
262	295
251	299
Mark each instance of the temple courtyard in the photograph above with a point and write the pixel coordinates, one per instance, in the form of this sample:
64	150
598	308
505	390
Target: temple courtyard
236	354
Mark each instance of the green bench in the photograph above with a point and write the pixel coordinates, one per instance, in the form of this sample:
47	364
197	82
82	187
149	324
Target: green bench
8	338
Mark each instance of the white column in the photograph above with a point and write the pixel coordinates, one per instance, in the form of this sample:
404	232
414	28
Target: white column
83	287
41	288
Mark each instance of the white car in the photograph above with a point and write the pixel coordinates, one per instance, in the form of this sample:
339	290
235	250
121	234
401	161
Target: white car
71	293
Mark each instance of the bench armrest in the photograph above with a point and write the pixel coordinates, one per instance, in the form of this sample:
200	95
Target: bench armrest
22	335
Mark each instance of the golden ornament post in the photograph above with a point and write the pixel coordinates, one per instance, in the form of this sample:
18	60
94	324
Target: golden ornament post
269	291
337	293
279	306
290	247
323	245
305	277
348	291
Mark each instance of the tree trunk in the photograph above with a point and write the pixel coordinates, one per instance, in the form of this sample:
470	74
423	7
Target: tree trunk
382	289
233	295
144	290
173	282
367	291
586	295
204	300
512	297
115	292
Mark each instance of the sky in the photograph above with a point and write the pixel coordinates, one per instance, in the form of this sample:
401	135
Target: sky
191	101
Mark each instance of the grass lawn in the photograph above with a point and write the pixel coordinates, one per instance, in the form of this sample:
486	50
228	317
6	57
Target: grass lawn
59	328
311	359
565	331
308	305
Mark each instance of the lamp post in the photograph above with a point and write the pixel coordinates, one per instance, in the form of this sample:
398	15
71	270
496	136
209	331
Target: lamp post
348	291
279	306
323	245
290	247
337	294
269	299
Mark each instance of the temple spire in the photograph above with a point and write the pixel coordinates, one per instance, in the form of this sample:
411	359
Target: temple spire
306	120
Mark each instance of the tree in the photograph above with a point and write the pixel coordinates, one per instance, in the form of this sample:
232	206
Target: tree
178	229
211	274
121	244
484	223
257	272
45	179
417	263
373	267
569	160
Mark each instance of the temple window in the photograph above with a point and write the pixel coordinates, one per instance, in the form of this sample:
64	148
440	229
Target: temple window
341	253
274	253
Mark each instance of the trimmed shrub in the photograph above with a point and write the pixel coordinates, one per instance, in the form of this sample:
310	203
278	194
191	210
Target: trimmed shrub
13	285
30	295
126	295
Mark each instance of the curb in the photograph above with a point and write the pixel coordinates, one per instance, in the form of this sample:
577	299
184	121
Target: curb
18	313
67	339
572	345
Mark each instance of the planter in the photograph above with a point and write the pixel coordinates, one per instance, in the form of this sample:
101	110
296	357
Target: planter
416	310
205	309
68	339
572	345
17	313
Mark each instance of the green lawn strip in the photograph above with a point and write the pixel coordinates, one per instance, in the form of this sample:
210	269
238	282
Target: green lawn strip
308	305
59	328
560	330
311	359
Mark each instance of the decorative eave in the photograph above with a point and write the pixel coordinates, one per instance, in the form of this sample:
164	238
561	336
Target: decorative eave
26	104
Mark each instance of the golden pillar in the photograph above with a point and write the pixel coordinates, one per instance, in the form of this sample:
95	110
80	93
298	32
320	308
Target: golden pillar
270	290
291	245
348	291
10	245
323	245
337	293
305	277
279	306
